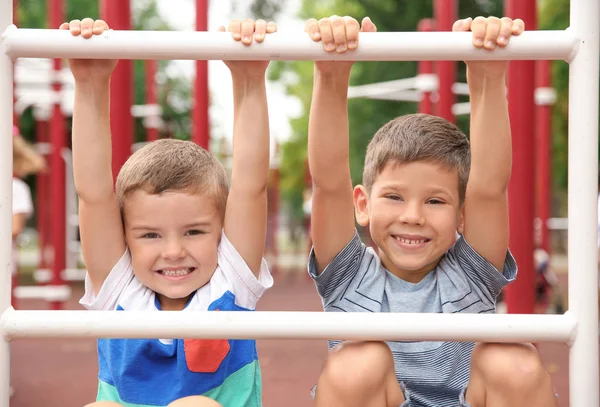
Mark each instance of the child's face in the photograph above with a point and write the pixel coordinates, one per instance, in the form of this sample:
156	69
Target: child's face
173	238
413	213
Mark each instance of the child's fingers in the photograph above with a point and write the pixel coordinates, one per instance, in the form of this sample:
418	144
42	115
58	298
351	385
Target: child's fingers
518	26
99	27
221	28
368	26
326	34
64	26
352	30
235	28
260	30
462	25
86	27
271	27
312	28
478	27
506	25
491	33
75	27
339	33
247	31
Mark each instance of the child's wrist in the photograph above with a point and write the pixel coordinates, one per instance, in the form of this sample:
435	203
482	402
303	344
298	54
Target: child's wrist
486	80
93	84
336	77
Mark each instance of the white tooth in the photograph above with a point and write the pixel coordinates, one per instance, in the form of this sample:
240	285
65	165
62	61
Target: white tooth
175	273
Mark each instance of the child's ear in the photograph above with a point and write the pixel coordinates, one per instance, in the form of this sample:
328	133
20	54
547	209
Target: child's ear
461	220
361	205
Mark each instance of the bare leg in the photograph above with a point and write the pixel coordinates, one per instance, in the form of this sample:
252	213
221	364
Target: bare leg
194	401
359	374
509	375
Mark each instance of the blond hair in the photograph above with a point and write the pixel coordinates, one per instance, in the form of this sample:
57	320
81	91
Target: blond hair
26	160
173	165
418	137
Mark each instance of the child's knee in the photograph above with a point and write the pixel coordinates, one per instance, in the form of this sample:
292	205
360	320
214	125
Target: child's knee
510	366
195	401
353	366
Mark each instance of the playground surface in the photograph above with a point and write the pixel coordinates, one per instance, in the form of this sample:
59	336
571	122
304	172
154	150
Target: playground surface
62	372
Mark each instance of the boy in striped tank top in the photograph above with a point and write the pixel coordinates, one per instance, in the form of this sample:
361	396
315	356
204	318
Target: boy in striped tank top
415	199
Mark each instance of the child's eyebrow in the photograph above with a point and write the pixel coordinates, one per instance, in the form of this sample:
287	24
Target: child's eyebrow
198	224
143	227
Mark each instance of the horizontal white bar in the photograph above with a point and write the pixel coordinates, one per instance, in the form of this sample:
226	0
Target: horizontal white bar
384	46
70	274
288	325
558	223
380	88
400	96
47	292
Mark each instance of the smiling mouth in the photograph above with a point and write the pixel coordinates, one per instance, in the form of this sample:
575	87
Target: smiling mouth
411	241
181	272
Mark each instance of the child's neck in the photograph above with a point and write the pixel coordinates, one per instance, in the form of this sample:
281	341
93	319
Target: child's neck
170	304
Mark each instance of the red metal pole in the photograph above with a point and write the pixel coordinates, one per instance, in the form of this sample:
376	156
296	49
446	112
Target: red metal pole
57	132
446	13
42	209
201	128
117	14
520	295
426	68
543	150
150	79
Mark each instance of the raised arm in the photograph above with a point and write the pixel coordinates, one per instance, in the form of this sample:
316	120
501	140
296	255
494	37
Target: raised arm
332	214
246	213
486	203
102	237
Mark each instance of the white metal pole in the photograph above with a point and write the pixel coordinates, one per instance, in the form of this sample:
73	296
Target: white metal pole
290	325
6	124
385	46
583	195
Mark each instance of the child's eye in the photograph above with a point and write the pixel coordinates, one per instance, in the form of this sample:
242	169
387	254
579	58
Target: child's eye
435	201
151	235
194	232
394	197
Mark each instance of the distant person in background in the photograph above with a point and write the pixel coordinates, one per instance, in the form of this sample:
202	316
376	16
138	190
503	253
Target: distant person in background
26	161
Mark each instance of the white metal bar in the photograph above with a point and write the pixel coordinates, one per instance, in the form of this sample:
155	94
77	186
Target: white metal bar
58	293
288	325
385	46
400	96
6	123
582	200
381	88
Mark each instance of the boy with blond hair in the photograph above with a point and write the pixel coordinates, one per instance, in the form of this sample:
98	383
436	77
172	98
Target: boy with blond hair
173	237
414	199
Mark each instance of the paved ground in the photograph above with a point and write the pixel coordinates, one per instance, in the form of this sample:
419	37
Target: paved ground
62	373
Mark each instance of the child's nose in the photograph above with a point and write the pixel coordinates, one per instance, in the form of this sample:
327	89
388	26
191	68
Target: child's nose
173	250
412	214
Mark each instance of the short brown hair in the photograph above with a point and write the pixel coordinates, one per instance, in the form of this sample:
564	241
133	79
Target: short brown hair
173	165
418	137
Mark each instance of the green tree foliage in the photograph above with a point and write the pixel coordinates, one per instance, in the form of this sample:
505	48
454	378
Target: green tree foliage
554	15
366	116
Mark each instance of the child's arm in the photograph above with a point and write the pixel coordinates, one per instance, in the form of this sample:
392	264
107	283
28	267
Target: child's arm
102	237
246	213
332	214
486	203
